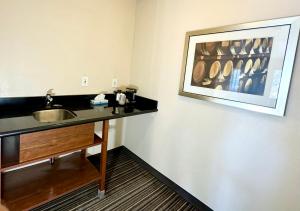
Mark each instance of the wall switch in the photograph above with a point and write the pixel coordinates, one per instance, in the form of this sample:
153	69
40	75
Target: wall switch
84	81
114	83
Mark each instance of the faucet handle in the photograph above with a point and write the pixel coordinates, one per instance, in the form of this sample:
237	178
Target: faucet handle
49	98
50	92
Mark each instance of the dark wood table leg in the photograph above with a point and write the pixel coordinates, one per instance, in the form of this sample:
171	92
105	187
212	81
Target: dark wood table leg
1	171
103	158
83	153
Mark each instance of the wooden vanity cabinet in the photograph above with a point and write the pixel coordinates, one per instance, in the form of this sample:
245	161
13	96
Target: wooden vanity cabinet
34	185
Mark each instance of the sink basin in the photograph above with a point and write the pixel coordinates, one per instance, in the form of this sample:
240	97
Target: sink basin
53	115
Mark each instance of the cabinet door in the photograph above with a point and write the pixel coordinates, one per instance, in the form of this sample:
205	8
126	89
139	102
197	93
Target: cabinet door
45	143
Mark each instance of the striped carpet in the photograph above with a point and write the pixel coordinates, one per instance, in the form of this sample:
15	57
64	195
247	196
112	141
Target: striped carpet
129	187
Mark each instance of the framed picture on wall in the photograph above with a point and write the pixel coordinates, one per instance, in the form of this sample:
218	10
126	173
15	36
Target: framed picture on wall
246	65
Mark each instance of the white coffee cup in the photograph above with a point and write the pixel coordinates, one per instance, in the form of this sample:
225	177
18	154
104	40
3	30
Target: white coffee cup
121	98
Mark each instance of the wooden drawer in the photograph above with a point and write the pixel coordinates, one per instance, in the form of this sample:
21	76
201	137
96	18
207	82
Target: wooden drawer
44	143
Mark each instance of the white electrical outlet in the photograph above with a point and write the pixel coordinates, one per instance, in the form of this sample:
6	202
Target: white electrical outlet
84	81
114	83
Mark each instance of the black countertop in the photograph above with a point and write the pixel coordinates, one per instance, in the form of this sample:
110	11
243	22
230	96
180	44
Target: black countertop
22	121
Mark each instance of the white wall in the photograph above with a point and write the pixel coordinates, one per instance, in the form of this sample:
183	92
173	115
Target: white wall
230	159
53	43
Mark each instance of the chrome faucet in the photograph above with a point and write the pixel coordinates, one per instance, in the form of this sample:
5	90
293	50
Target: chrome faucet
49	98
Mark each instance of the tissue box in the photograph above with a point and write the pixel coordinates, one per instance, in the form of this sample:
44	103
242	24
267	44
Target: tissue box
99	102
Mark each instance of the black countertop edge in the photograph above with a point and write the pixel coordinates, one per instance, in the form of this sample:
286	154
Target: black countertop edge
23	106
16	113
71	123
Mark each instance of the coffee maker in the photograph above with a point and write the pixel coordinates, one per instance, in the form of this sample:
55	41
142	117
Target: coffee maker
130	95
124	99
130	99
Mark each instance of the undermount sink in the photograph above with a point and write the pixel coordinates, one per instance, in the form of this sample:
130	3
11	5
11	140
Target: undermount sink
53	115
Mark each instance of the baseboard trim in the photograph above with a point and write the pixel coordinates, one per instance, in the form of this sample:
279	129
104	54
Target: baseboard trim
186	195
